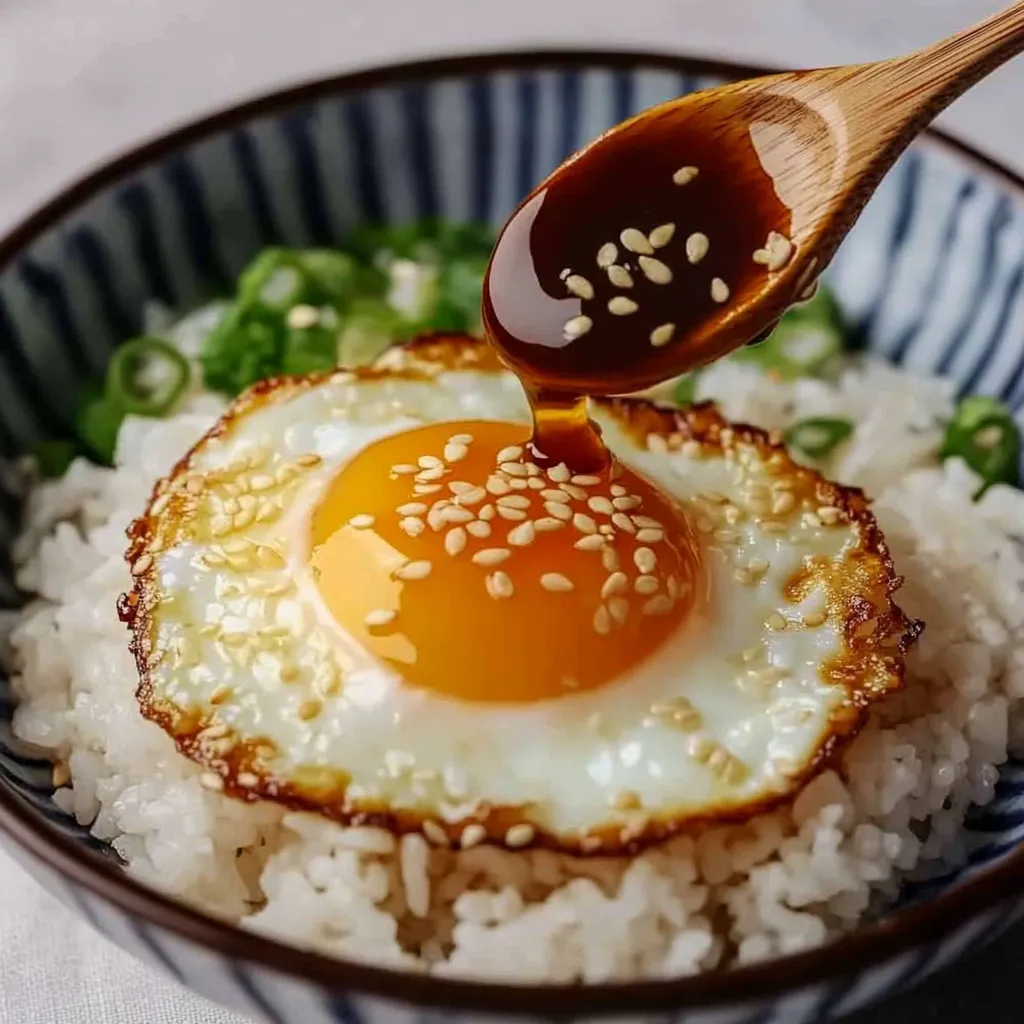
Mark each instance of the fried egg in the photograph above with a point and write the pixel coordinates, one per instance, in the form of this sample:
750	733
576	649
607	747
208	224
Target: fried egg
358	595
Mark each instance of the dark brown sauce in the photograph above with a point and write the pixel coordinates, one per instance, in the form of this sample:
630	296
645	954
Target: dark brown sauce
547	293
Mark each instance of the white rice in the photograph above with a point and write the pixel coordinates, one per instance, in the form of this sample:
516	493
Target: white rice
778	884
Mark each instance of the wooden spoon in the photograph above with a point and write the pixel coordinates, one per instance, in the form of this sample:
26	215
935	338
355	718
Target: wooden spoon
688	230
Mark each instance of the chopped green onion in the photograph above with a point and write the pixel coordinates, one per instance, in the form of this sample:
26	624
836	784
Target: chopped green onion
307	350
685	391
368	329
806	340
983	433
147	376
97	421
459	293
54	457
818	438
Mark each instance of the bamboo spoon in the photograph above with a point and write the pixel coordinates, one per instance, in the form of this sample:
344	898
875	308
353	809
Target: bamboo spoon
687	231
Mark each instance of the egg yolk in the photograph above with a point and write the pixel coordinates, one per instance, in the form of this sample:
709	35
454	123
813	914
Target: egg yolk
478	575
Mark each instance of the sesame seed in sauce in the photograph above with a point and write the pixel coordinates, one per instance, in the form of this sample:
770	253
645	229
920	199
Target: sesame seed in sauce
783	504
602	621
584	523
426	488
513	501
662	335
478	529
585	480
361	522
813	619
829	515
579	286
472	835
614	584
623	522
380	617
547	524
460	439
660	604
685	175
592	542
509	454
457	514
607	255
775	622
514	469
574	492
519	835
600	504
636	241
486	513
471	497
558	510
649	536
559	474
556	582
418	570
575	327
719	290
655	271
515	515
141	564
619	305
455	541
435	833
499	585
522	535
645	560
497	485
412	508
455	452
491	556
620	276
661	235
646	585
549	494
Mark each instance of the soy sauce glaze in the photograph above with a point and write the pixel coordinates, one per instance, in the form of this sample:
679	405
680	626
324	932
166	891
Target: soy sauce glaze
632	263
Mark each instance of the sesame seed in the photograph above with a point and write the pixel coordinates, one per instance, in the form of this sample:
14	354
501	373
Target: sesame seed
522	535
455	541
546	524
513	501
486	513
512	514
471	497
498	485
620	276
455	452
499	585
779	250
460	439
719	290
418	570
660	604
195	484
308	710
491	556
309	461
435	517
549	494
626	502
654	270
592	542
685	175
775	621
645	560
380	617
428	476
662	335
618	608
576	327
429	462
606	530
478	529
472	835
621	306
602	621
536	483
585	480
519	835
607	255
625	800
579	286
783	504
559	474
661	235
509	454
584	523
456	514
435	833
514	469
361	522
829	514
141	564
426	488
556	582
220	525
610	559
558	510
649	536
646	585
574	492
697	246
813	619
615	583
635	241
600	504
623	522
243	519
208	780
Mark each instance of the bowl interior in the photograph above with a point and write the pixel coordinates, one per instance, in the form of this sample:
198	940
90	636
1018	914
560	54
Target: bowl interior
931	278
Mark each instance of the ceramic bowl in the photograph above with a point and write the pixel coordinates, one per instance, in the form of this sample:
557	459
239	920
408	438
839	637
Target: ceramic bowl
932	278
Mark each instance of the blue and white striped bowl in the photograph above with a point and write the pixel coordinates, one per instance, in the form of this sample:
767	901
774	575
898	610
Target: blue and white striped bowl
932	277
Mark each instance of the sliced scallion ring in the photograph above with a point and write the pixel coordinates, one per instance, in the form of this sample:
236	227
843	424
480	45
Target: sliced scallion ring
818	438
147	376
983	433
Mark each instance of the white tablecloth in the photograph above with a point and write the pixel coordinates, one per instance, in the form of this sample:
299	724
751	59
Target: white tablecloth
82	79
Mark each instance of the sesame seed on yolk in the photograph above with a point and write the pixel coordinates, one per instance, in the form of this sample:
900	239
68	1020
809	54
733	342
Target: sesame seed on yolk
528	604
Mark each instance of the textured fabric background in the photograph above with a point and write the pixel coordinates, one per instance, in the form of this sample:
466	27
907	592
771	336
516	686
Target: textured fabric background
81	80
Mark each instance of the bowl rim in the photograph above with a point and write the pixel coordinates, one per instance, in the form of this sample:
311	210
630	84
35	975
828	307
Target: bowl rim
920	925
